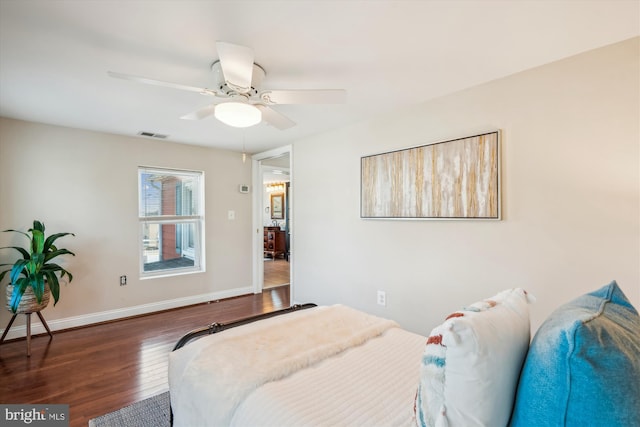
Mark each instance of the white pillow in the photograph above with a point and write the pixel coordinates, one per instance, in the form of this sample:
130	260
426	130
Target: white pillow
472	361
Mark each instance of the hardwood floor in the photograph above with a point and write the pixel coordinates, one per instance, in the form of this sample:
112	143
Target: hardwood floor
101	368
276	272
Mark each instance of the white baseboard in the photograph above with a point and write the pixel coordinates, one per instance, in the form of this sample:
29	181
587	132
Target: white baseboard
105	316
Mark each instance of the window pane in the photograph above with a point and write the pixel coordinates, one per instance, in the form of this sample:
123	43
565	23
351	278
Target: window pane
150	243
168	193
169	246
171	220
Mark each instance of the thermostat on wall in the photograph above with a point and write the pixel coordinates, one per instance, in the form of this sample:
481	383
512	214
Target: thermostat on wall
243	188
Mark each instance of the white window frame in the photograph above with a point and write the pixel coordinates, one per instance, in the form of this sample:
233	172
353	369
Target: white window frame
198	252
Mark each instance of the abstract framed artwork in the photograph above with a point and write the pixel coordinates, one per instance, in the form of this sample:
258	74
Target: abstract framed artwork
455	179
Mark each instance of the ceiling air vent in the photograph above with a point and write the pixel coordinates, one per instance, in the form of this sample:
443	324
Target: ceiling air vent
152	135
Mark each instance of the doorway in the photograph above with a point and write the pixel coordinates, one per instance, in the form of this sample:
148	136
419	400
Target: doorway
272	194
276	214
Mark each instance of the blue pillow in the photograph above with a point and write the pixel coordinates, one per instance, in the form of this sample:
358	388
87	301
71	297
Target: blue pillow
583	365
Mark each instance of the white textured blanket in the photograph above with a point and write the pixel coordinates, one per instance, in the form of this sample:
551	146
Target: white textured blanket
209	378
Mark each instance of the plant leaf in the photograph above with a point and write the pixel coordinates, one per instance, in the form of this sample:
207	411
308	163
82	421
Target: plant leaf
58	252
49	242
51	268
18	290
37	241
37	283
17	231
38	226
19	267
22	251
54	285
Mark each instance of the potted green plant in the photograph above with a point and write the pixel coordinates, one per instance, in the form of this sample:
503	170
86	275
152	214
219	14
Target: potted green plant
35	272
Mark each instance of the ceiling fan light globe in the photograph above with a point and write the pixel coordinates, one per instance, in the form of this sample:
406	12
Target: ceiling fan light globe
238	114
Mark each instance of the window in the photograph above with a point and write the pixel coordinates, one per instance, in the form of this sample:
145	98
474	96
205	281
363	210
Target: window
171	221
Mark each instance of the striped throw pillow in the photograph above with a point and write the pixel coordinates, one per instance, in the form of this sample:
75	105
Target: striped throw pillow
472	361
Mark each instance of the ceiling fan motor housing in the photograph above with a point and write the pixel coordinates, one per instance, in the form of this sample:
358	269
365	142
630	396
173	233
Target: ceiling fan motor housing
221	84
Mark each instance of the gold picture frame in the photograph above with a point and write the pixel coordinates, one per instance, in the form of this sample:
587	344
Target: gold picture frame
277	206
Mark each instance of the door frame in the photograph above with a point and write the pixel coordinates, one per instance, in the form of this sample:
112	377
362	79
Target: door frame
258	209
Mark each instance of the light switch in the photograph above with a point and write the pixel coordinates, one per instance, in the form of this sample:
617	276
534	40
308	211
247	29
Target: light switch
231	215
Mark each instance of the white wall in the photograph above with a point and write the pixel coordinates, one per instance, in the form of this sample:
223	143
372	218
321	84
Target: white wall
86	183
571	204
570	187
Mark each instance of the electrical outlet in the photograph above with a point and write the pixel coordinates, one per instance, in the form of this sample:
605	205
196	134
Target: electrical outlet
382	298
123	280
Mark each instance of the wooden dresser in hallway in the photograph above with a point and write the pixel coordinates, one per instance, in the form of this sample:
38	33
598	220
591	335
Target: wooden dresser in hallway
274	242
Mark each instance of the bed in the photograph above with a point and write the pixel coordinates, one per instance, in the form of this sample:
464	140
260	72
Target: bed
336	366
290	355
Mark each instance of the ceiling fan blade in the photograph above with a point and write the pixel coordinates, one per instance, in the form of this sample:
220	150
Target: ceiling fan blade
237	65
275	119
200	114
331	96
145	80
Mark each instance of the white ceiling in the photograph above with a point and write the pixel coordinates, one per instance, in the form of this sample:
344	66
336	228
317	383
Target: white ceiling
54	56
279	164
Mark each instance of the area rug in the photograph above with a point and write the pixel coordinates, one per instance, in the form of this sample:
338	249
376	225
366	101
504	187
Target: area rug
151	412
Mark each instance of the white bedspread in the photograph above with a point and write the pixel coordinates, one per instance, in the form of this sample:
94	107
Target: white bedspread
209	378
372	385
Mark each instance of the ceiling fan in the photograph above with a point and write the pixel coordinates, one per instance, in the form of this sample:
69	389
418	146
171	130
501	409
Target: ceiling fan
239	100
